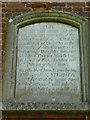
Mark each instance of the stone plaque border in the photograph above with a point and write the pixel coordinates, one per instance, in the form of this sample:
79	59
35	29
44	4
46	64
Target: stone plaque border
9	100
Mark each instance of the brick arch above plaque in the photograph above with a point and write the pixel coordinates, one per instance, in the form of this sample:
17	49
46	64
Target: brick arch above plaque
46	58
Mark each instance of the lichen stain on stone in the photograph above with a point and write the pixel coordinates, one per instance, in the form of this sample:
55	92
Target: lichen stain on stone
50	93
32	78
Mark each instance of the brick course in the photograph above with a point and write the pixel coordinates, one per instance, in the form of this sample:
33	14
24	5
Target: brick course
18	116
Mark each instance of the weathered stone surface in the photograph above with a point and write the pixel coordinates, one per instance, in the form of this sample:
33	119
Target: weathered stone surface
48	63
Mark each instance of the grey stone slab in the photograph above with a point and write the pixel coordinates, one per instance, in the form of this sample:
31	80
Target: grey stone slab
48	63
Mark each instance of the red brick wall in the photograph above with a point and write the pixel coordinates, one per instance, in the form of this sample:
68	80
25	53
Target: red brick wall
44	0
10	10
45	116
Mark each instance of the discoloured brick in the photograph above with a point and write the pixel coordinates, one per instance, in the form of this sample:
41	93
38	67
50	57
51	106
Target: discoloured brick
15	5
36	5
2	30
76	4
62	116
88	3
58	4
8	15
76	117
24	117
13	116
6	10
17	9
48	117
3	5
87	9
76	9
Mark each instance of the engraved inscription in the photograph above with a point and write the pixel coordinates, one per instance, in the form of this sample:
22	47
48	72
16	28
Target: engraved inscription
48	63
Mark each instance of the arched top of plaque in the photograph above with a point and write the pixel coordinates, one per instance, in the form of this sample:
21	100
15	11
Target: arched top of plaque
79	27
48	16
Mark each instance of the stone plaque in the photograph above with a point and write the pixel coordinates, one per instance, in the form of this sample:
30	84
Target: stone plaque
48	63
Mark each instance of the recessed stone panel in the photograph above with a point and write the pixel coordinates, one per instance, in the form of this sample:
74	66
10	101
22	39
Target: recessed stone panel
48	63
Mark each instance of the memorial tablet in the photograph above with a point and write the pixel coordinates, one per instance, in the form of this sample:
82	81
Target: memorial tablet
48	63
46	66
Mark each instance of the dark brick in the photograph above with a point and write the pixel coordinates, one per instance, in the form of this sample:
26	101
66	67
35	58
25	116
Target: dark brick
3	25
87	9
12	116
88	3
2	30
48	5
49	117
3	5
26	10
2	35
6	10
3	15
4	20
77	9
76	4
8	15
0	65
36	117
62	117
58	4
0	60
17	9
76	117
0	42
36	5
0	19
14	5
40	8
89	117
24	117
